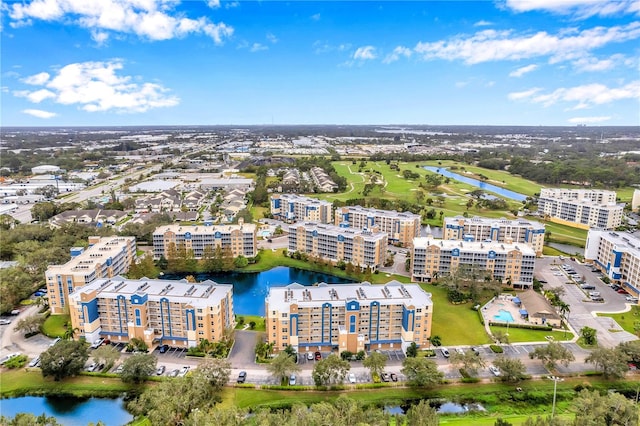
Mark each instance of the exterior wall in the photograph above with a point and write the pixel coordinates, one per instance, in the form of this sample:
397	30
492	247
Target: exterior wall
296	208
582	208
400	228
106	257
240	239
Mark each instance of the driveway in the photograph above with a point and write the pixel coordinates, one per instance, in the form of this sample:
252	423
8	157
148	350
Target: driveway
242	354
13	341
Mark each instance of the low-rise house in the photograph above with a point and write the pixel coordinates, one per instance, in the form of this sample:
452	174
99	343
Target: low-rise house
538	310
95	217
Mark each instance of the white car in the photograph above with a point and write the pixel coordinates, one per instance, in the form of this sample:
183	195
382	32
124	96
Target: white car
445	352
310	356
292	380
352	378
494	370
97	343
460	351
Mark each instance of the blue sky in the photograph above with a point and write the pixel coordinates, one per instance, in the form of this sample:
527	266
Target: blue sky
166	62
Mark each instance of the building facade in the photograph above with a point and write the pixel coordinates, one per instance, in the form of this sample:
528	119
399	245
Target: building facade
177	313
617	254
335	243
400	227
240	239
582	208
498	230
297	208
104	258
509	263
349	317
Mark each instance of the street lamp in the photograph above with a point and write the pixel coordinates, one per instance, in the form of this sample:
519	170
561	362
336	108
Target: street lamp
555	379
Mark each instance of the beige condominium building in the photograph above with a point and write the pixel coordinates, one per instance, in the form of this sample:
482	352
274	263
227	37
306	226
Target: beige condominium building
348	317
498	230
335	243
104	258
582	208
401	227
177	313
297	208
617	254
509	263
240	239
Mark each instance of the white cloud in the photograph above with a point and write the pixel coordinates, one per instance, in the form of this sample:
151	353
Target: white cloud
515	96
397	53
483	23
150	19
324	47
365	53
96	86
523	70
582	97
39	113
37	79
461	84
272	38
588	120
257	47
213	4
231	4
492	45
579	8
315	17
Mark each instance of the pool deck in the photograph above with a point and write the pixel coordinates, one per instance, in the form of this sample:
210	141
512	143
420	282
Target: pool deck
504	302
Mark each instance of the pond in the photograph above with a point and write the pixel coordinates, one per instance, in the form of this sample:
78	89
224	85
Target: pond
482	185
70	411
442	407
251	288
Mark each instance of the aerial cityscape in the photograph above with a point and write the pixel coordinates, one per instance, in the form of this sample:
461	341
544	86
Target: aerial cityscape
381	213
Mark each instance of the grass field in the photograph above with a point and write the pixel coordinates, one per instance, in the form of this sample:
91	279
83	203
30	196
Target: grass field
55	325
517	335
629	321
260	326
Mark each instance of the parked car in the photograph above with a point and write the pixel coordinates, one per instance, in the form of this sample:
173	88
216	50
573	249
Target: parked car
96	343
352	378
622	291
445	352
164	348
119	369
5	321
242	377
91	367
494	370
310	356
174	373
384	377
318	356
394	377
631	299
160	371
460	351
35	362
292	380
475	350
588	287
183	372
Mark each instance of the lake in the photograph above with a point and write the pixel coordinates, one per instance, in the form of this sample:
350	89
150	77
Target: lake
251	288
70	411
482	185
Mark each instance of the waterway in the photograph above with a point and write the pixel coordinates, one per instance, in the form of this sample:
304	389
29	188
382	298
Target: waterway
479	184
70	411
251	288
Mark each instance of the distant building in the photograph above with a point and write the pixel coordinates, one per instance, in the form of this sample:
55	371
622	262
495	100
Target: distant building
177	313
104	258
45	169
321	179
509	263
400	227
333	243
583	208
297	208
635	201
499	230
240	239
349	317
96	217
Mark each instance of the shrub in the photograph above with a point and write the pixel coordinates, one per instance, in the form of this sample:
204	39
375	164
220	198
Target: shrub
525	326
16	362
479	311
496	349
470	380
583	385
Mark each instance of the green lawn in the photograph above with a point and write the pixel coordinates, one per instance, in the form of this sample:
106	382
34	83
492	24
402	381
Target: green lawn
627	320
260	326
55	325
523	335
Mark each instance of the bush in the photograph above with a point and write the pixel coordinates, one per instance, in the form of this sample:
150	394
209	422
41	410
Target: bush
496	349
525	326
470	380
16	362
583	385
479	311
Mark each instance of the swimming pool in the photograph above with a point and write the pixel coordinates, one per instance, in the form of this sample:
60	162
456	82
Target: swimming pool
503	316
264	234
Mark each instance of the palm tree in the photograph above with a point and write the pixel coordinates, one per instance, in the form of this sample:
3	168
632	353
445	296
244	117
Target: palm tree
282	366
70	332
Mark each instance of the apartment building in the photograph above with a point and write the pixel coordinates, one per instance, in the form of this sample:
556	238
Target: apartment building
177	313
334	243
499	230
240	239
400	227
583	208
617	254
297	208
104	258
509	263
349	317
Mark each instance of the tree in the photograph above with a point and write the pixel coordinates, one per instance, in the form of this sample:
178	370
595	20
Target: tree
282	366
145	267
589	335
594	409
546	421
513	370
211	375
375	362
552	354
138	367
422	414
64	359
28	419
30	324
330	370
435	340
612	362
469	361
412	350
631	350
106	354
421	372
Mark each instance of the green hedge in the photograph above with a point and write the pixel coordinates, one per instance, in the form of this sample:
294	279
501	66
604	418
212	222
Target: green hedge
525	326
496	349
479	311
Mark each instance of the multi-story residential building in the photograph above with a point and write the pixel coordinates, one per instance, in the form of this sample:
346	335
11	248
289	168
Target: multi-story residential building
335	243
401	227
509	263
240	239
297	208
617	254
104	258
581	208
177	313
350	317
498	230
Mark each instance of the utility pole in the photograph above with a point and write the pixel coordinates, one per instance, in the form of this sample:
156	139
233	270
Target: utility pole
555	379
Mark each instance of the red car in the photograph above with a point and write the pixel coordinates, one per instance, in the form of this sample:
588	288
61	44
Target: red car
623	291
318	356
